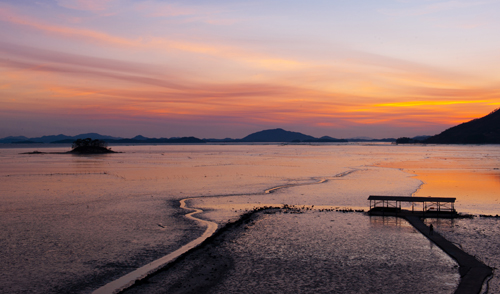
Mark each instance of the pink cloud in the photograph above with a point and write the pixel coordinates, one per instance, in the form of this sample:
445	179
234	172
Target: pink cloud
235	54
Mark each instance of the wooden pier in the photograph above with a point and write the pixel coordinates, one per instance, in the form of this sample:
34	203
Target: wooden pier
473	272
430	206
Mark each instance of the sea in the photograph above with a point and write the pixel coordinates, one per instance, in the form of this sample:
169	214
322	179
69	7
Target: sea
75	223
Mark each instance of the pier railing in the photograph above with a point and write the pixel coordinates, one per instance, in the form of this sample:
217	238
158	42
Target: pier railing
429	205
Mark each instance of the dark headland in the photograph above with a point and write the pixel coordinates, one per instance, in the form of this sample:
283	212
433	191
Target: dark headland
484	130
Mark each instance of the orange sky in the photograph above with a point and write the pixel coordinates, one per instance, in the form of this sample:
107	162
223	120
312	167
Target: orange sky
229	68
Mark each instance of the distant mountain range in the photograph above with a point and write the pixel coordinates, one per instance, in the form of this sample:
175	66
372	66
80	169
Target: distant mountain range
283	136
56	139
273	135
484	130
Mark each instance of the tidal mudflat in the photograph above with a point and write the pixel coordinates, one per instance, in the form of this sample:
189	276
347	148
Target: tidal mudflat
313	251
75	223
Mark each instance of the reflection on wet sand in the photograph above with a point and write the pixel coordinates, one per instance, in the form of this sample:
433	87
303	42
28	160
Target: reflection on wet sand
378	221
473	189
468	174
97	217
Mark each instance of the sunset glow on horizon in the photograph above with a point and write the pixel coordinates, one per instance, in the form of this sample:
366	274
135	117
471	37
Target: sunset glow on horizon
229	68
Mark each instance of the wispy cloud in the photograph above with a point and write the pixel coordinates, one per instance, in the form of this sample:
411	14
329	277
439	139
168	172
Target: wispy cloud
146	90
152	60
236	54
431	103
43	55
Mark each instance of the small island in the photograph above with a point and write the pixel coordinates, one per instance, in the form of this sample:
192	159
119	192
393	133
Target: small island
83	146
89	146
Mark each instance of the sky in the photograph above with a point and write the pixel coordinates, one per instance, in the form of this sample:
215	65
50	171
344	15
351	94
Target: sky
220	68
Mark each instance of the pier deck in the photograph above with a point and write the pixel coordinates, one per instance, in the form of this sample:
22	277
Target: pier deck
473	272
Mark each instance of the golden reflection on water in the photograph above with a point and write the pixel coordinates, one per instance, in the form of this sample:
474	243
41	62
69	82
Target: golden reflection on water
475	182
467	186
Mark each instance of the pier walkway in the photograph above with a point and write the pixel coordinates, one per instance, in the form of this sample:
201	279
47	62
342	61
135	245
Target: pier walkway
473	272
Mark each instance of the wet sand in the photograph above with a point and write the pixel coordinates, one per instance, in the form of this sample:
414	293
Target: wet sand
73	224
309	252
200	269
478	237
152	267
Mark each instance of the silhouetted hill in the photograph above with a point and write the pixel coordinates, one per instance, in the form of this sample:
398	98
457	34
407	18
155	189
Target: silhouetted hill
140	137
485	130
414	140
273	135
12	139
326	139
225	140
362	139
95	136
421	138
26	142
145	140
55	138
276	135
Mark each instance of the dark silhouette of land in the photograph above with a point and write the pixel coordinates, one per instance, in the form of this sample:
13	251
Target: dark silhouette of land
265	136
276	135
484	130
407	140
90	146
91	150
144	140
63	139
83	146
26	142
280	135
54	138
